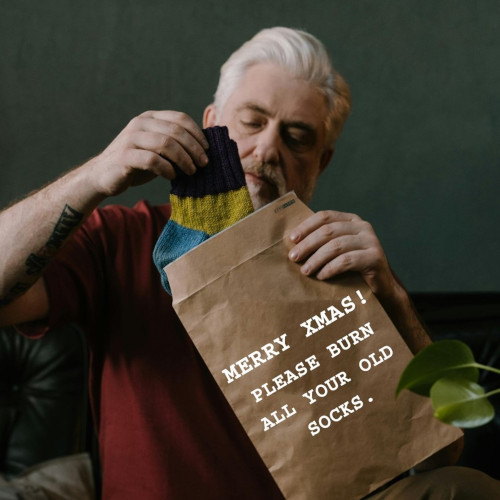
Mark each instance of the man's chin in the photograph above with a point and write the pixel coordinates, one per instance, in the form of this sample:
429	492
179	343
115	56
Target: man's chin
258	202
261	192
260	199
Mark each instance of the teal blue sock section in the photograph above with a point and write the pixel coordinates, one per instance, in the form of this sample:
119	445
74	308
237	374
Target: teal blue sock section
174	241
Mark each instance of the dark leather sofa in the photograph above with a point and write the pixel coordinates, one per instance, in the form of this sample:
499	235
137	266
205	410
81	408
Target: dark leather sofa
44	401
44	404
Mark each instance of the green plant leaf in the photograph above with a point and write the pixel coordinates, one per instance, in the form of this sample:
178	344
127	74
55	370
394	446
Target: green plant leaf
444	358
461	402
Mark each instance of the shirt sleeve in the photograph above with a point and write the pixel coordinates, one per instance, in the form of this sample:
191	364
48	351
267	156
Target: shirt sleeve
102	268
74	278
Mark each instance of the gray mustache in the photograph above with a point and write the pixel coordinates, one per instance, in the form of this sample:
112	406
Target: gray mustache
265	171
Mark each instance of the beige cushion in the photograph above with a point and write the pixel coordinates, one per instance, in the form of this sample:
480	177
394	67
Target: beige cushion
58	479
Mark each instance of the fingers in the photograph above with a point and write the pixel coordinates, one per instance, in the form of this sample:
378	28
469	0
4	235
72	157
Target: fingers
141	162
147	147
361	260
318	220
332	235
166	147
183	120
330	243
170	134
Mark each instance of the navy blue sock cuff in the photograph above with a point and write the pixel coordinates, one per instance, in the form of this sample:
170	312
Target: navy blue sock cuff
222	174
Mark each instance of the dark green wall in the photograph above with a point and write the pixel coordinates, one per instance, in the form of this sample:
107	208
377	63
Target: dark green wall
419	157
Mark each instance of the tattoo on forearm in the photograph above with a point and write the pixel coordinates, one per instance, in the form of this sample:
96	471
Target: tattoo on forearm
36	262
69	219
14	292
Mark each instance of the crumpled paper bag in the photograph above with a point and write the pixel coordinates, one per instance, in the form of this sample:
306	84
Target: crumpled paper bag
309	367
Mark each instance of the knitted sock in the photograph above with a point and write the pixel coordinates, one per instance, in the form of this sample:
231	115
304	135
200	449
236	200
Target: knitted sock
205	203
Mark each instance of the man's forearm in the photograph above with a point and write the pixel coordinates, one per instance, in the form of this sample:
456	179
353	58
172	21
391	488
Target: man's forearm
403	314
34	229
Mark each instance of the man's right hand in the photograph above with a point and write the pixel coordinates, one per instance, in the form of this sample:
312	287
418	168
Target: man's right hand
146	148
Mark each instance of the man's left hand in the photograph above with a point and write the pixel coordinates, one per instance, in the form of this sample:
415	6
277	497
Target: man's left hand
330	243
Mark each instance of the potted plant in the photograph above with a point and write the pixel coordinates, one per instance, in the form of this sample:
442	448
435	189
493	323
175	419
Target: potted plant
446	372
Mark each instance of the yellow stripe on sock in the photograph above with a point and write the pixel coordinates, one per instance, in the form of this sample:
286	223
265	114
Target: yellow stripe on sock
211	213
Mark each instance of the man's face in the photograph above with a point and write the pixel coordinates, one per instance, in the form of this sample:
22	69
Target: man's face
278	123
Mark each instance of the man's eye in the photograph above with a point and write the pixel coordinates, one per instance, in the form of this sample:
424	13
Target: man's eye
299	142
251	124
296	140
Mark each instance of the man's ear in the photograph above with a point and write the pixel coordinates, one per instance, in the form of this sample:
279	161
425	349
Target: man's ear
326	156
209	116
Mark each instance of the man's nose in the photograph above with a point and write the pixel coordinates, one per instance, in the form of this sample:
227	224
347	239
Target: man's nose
267	147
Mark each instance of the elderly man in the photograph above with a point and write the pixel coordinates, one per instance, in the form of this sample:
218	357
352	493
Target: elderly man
164	429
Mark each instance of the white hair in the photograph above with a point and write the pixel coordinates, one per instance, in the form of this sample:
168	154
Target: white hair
298	52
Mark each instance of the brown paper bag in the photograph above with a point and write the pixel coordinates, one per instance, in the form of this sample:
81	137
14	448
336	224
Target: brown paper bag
309	367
